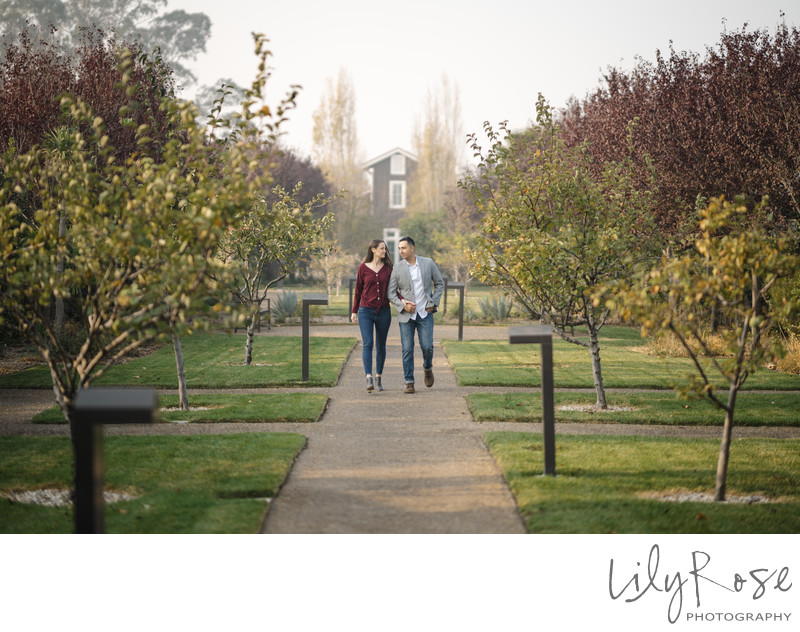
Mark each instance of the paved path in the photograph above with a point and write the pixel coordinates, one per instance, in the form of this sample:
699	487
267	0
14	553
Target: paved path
395	463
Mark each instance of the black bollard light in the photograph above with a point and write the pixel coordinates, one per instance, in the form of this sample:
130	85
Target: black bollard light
460	288
93	408
543	335
309	299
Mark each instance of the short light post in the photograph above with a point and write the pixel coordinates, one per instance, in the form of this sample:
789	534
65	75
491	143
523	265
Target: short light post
542	335
308	300
93	408
460	288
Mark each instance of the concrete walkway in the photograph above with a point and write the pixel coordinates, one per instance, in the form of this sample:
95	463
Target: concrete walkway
395	463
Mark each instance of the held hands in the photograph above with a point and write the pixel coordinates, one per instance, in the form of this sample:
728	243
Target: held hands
410	307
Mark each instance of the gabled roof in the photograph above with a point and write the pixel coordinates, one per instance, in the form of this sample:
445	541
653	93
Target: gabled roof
384	156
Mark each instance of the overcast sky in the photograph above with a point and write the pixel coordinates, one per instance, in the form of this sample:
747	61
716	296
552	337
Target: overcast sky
501	53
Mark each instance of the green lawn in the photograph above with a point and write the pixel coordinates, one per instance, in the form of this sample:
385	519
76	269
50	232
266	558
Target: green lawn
606	484
216	361
624	365
752	408
182	484
231	407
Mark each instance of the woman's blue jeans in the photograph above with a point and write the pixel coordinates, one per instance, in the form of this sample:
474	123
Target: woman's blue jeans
374	325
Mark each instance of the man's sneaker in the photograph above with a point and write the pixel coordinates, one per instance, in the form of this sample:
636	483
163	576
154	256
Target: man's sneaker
409	387
429	378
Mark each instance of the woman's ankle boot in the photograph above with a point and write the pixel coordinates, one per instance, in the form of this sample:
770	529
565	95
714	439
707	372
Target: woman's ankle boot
370	385
378	383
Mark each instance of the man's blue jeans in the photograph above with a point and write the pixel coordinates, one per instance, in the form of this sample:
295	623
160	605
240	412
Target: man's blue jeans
378	321
424	329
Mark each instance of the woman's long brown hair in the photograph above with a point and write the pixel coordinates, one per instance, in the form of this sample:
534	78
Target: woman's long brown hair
387	260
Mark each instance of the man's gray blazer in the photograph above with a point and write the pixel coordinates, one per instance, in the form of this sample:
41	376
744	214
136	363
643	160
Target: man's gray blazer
400	284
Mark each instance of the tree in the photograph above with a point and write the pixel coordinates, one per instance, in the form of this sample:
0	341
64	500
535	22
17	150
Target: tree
717	123
179	36
437	140
461	217
337	151
281	233
735	262
552	230
142	237
36	70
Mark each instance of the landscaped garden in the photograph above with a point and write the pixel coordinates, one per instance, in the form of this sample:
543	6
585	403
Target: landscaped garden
187	483
216	360
607	484
633	484
165	484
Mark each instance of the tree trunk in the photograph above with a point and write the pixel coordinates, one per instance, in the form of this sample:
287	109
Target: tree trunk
182	394
597	373
725	448
58	325
248	350
715	315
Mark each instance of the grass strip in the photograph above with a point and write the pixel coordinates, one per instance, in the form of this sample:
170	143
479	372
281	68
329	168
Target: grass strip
229	407
181	484
498	363
752	408
215	360
607	484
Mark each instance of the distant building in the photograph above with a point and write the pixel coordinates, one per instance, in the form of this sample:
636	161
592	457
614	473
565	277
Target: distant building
390	174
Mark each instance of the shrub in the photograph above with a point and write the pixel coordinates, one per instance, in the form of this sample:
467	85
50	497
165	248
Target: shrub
790	362
284	306
495	307
668	346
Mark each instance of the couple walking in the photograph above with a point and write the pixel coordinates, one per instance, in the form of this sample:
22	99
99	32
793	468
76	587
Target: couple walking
407	286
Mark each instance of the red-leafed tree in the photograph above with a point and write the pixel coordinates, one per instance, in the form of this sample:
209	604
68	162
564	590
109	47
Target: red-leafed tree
36	72
723	123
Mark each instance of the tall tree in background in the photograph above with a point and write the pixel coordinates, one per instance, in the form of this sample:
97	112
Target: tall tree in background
337	151
335	136
437	142
180	36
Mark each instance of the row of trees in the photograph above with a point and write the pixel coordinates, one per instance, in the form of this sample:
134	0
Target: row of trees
130	217
626	205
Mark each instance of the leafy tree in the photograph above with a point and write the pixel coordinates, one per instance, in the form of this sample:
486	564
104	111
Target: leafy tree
142	236
281	232
721	122
36	70
337	151
735	262
552	230
425	229
179	36
460	235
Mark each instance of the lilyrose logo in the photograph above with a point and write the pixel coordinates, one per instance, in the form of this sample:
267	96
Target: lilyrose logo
692	580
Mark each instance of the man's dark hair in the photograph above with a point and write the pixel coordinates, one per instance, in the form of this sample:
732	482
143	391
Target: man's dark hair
407	239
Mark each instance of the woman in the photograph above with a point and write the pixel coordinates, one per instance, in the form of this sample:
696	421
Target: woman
371	309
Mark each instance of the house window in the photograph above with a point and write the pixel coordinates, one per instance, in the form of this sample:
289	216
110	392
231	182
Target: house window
397	194
398	165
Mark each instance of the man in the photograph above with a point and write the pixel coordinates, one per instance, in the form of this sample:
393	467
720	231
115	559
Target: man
410	292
